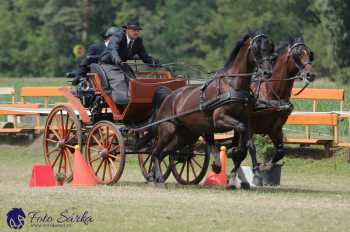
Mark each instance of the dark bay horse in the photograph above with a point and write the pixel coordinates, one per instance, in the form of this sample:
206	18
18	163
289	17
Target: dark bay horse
222	104
294	62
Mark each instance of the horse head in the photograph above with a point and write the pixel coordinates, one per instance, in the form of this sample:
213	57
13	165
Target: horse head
261	50
302	57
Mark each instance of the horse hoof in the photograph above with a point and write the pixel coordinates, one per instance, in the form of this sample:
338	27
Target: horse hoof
216	169
257	181
245	186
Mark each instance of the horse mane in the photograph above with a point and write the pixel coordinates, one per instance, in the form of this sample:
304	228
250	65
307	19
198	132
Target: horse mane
236	49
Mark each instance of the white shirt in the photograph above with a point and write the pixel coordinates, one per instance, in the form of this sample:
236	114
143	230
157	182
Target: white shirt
128	40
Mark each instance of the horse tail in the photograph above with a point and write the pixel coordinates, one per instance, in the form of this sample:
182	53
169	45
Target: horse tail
159	95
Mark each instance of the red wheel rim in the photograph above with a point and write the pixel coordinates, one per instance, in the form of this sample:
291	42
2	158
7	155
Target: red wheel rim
105	152
62	132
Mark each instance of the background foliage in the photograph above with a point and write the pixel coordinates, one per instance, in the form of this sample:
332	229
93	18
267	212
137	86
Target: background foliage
37	36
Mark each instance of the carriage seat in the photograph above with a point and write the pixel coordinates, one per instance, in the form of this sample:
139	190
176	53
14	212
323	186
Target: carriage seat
97	68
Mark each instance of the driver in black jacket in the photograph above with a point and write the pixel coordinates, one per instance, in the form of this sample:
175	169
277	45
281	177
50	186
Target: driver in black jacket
122	46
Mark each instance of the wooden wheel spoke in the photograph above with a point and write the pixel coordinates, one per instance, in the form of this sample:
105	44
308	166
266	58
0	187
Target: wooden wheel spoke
60	162
193	170
49	153
112	164
62	126
54	162
182	169
145	161
94	160
196	162
55	133
69	161
109	170
106	139
150	166
98	168
104	170
187	172
65	162
165	164
52	141
101	137
109	142
113	156
97	141
94	149
70	138
70	146
58	125
115	148
66	126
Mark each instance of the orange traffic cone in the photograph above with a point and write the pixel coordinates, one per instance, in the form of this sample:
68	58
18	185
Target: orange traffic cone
220	179
82	174
42	176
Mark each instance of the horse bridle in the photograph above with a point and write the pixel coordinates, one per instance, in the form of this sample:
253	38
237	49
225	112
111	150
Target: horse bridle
258	62
300	65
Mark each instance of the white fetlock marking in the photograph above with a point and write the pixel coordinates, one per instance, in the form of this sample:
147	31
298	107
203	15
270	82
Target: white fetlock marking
242	176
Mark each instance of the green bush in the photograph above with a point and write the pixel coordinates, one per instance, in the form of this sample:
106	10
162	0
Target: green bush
343	75
264	148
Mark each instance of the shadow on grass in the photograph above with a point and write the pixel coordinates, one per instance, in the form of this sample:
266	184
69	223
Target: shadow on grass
305	152
265	189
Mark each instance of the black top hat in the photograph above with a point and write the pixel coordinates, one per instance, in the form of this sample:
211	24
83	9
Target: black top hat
133	24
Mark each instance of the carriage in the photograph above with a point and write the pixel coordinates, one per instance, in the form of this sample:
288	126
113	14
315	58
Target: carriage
102	129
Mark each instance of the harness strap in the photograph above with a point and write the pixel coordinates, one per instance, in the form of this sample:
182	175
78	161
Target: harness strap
228	97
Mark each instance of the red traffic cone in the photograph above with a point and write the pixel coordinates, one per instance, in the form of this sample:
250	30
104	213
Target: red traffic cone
220	179
42	176
82	174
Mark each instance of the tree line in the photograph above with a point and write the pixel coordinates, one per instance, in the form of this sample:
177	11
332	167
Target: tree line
37	36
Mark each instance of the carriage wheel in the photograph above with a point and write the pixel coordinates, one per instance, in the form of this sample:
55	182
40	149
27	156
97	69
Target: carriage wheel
105	152
62	132
146	166
190	165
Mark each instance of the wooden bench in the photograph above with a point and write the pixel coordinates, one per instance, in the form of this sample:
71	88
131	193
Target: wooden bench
13	128
315	118
8	91
44	92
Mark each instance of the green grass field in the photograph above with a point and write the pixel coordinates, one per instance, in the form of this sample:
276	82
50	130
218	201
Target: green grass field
314	194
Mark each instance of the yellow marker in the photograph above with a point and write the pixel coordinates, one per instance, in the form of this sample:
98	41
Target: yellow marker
79	51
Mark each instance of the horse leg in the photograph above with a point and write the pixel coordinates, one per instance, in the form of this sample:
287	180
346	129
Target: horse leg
165	133
252	151
241	153
277	140
216	165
